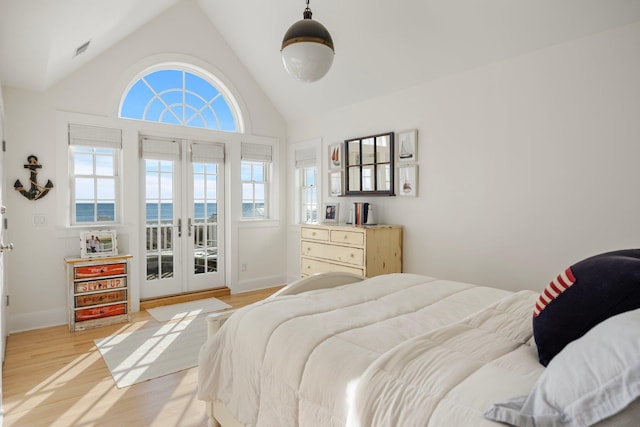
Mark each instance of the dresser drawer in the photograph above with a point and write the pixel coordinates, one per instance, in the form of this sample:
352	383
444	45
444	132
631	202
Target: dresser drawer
315	234
99	312
98	285
347	237
311	266
101	298
344	254
91	271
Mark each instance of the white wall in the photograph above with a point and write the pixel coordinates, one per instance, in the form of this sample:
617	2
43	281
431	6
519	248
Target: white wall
37	276
525	166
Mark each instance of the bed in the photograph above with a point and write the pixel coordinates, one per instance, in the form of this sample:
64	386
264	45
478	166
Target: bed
335	349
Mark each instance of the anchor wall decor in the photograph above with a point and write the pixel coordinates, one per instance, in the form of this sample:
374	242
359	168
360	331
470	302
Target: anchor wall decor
36	191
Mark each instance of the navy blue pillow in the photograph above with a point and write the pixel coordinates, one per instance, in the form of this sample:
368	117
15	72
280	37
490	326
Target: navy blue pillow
584	295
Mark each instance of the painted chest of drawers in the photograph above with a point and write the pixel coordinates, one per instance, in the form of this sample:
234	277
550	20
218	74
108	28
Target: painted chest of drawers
98	291
366	251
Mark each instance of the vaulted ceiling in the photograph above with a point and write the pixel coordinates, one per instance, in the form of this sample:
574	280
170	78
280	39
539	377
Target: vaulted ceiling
381	46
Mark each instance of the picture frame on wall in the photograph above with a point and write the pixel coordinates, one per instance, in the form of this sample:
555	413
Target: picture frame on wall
335	156
408	180
335	184
408	146
98	243
331	212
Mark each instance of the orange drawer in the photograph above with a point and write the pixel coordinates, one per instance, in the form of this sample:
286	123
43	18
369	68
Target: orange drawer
91	271
101	298
99	312
98	285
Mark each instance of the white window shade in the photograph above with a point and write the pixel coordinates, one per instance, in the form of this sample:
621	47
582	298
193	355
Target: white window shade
207	152
160	149
94	136
305	158
256	152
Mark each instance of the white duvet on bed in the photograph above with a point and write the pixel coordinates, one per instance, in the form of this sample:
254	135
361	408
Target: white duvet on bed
450	376
377	352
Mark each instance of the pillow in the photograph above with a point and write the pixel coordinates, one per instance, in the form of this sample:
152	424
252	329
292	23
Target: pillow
593	378
584	295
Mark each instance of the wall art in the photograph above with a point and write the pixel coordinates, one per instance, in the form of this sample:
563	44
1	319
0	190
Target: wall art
408	146
335	184
335	156
408	180
35	191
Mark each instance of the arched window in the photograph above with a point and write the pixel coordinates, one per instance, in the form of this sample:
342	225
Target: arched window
180	97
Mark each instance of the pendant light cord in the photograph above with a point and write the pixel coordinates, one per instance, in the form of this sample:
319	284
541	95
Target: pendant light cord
307	12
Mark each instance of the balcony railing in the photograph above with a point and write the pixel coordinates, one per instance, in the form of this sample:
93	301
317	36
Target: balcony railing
159	245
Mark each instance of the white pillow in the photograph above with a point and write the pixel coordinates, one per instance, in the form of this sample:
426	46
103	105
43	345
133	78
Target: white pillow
592	378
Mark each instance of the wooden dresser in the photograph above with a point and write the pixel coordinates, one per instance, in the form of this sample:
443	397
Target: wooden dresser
366	251
98	291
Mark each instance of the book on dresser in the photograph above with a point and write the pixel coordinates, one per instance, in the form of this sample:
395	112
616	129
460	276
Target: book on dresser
363	250
98	291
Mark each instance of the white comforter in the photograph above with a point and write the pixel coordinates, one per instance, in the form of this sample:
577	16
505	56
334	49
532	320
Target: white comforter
395	350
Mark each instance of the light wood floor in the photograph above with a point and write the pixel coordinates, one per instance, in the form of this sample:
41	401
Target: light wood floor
53	377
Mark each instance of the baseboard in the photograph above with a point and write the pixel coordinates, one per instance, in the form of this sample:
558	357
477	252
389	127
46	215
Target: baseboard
256	284
180	298
37	320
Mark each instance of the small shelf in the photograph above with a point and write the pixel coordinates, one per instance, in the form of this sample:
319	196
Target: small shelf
91	277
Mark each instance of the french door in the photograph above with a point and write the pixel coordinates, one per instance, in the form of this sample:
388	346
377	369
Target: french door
184	216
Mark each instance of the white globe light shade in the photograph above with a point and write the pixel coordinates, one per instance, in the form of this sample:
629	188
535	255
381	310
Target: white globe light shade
307	61
307	49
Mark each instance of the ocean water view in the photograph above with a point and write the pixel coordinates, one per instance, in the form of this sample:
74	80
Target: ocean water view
164	211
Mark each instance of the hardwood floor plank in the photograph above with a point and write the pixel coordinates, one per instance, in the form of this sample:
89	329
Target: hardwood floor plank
54	377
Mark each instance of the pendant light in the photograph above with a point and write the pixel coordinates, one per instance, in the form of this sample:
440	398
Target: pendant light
307	49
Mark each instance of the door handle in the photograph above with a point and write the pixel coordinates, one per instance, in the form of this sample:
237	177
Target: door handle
7	248
179	227
189	226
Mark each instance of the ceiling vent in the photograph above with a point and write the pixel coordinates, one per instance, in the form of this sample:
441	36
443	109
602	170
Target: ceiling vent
81	49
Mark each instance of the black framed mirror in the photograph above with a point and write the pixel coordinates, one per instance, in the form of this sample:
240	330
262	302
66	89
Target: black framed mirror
369	165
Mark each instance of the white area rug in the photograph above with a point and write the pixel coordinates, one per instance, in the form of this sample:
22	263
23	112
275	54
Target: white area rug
187	309
153	352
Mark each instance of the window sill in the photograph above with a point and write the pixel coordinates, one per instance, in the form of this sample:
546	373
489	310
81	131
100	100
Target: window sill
257	223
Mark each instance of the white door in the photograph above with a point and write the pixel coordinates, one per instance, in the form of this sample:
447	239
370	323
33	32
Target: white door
3	249
3	291
183	209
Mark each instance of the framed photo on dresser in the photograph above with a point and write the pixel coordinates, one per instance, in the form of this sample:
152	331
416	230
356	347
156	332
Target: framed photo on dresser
331	211
96	244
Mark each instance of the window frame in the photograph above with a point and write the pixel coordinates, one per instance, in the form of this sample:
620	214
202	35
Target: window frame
115	155
222	89
306	205
265	182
